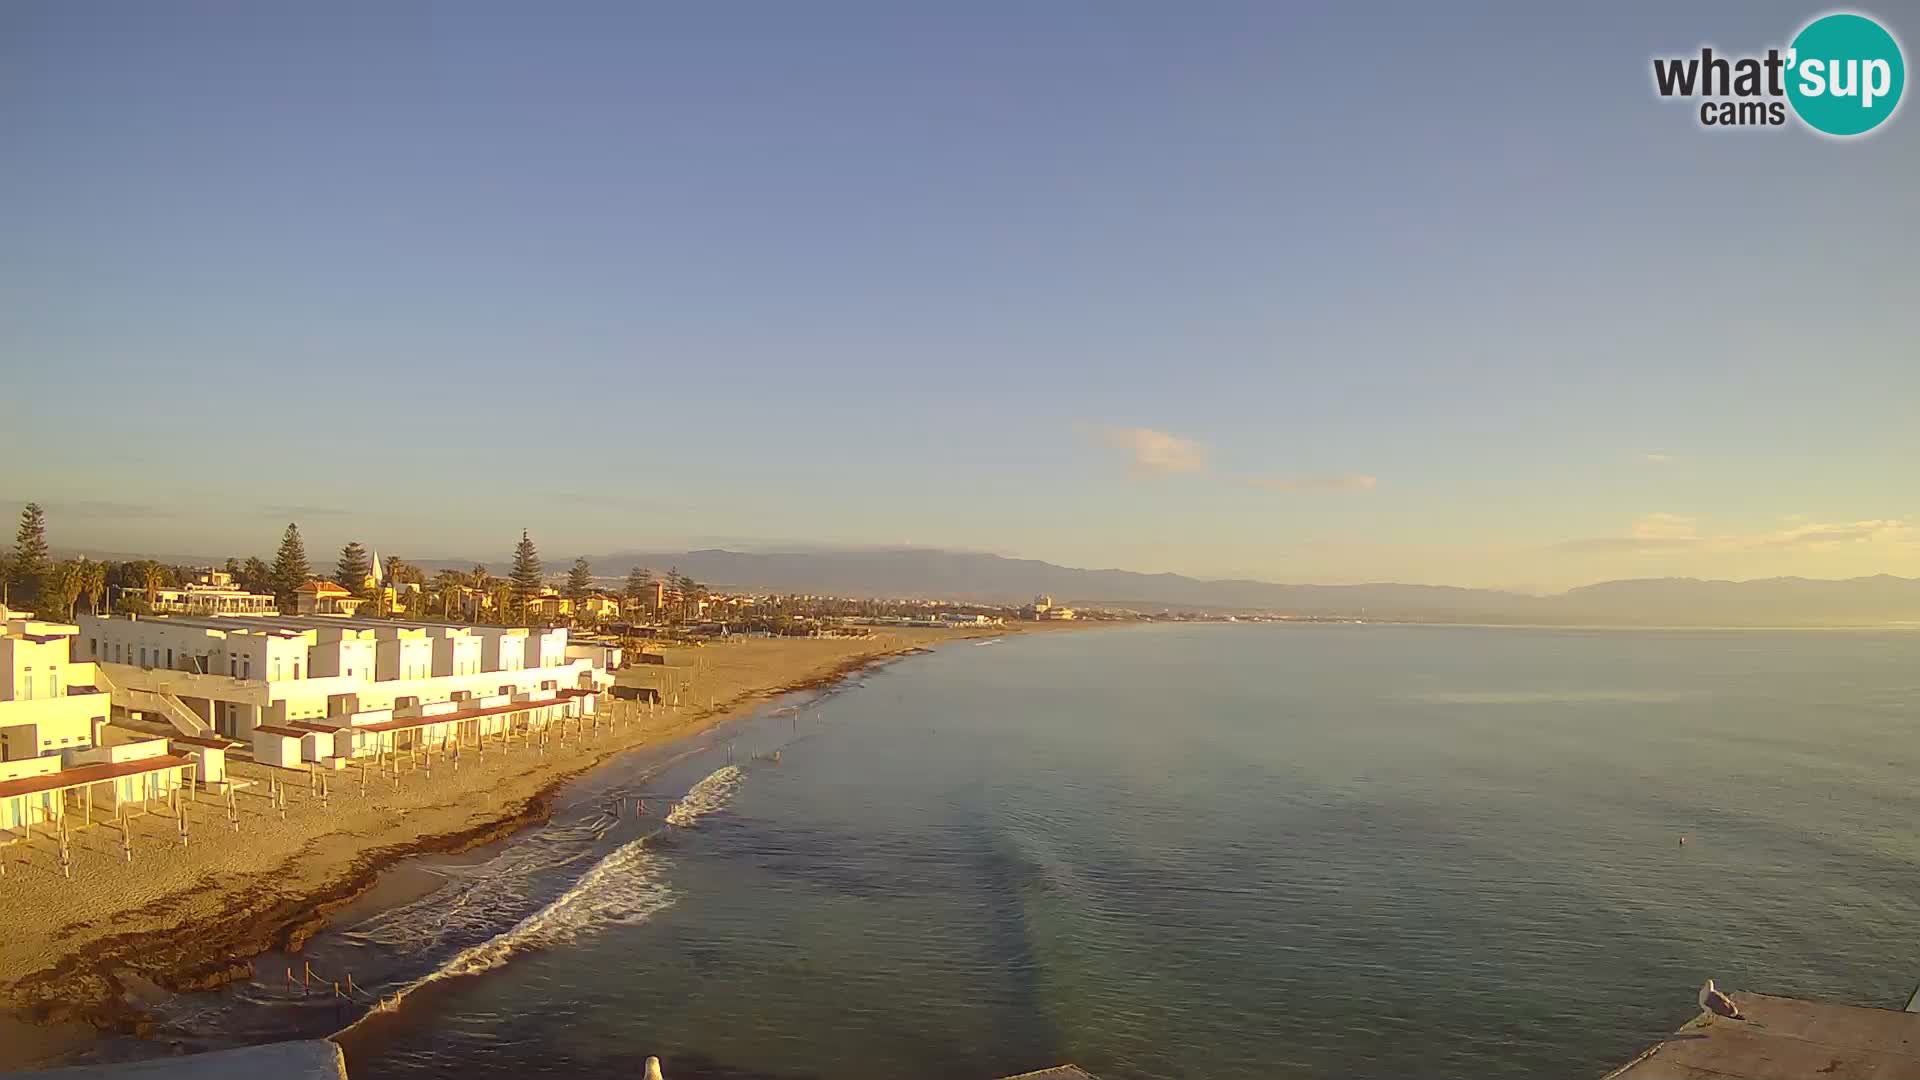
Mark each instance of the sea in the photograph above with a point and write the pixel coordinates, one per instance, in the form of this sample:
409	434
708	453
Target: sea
1228	851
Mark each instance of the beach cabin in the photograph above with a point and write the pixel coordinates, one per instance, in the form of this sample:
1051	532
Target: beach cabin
29	804
277	746
599	654
209	755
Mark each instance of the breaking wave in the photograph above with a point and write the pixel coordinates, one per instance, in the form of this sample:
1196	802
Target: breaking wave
711	793
625	888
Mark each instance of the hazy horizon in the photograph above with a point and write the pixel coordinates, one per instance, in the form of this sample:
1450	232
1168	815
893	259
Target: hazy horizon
1234	292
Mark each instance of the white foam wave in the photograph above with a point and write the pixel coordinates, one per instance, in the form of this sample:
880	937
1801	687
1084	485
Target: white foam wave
474	896
625	888
711	793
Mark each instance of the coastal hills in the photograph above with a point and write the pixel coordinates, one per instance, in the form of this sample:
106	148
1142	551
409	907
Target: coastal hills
921	572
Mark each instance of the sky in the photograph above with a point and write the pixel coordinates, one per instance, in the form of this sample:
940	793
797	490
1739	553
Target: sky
1293	292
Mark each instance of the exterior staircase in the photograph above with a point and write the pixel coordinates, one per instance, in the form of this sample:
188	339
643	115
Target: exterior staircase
184	720
168	706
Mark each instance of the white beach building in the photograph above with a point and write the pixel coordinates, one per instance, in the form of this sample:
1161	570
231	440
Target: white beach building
308	677
49	702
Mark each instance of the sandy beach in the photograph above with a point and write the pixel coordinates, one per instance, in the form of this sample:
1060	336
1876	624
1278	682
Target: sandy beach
193	918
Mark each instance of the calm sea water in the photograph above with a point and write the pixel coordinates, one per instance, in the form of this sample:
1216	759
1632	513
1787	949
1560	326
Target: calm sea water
1202	851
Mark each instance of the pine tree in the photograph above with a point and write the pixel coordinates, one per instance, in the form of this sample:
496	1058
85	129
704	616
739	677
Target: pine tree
28	568
290	569
526	573
580	580
353	569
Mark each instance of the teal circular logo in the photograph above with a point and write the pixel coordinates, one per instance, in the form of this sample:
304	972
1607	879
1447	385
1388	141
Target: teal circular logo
1845	74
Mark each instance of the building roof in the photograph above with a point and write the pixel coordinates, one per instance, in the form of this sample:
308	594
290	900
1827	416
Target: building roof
322	587
202	740
402	723
274	729
90	774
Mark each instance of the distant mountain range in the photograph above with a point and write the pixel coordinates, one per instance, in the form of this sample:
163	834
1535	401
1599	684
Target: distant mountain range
918	572
1881	600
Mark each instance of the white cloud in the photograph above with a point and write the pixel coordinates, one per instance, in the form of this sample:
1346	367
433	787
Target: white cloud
1653	458
1155	453
1663	526
1659	533
1342	482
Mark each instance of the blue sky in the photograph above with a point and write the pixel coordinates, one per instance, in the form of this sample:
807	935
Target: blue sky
1216	288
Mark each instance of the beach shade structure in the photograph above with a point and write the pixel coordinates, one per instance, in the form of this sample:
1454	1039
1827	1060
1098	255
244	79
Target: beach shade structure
29	800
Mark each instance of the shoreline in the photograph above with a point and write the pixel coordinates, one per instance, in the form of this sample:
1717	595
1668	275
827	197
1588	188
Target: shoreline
208	933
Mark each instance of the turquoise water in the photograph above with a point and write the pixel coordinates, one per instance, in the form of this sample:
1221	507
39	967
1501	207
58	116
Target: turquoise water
1221	851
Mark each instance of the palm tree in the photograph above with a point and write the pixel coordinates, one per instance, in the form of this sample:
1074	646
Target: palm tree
153	577
94	584
64	583
447	585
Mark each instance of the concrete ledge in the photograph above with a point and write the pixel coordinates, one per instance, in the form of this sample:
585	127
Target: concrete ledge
1785	1039
308	1059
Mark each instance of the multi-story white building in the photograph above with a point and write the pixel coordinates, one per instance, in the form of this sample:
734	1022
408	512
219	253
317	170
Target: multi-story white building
213	594
48	702
236	674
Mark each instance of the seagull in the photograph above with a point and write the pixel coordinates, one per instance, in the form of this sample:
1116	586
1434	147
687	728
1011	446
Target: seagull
1717	1003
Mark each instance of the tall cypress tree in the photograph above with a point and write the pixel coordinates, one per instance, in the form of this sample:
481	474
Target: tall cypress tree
526	572
580	579
352	570
290	569
28	568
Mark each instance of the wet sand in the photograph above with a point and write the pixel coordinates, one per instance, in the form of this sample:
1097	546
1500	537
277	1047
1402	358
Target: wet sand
193	919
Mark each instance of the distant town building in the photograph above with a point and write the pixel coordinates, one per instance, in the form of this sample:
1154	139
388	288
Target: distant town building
212	593
549	604
322	597
598	606
1044	609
